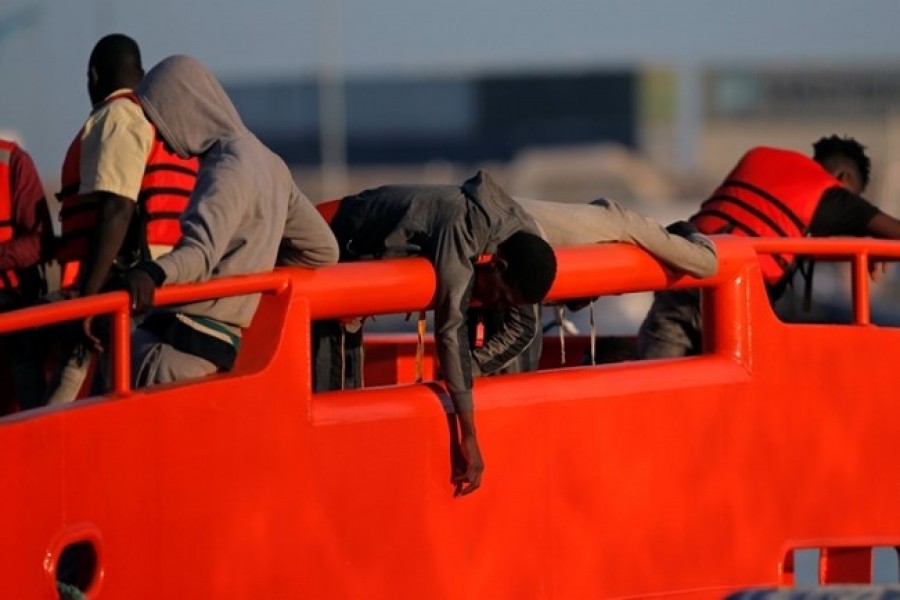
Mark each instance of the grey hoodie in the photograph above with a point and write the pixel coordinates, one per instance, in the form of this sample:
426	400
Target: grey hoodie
602	220
451	226
245	212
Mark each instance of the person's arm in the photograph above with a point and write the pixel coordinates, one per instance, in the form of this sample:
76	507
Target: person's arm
115	218
455	276
685	251
115	145
308	240
104	247
883	225
841	212
521	324
31	220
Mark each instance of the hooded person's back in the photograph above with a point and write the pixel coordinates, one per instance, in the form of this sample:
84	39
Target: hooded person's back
245	205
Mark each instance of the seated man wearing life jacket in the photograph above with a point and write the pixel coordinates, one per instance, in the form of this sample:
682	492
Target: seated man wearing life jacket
772	192
123	192
25	235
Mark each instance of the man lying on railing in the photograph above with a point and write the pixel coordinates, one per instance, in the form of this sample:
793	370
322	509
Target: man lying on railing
772	192
483	247
680	246
244	214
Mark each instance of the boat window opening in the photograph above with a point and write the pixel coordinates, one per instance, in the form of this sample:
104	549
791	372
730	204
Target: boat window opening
837	565
885	565
77	566
396	354
610	324
802	564
829	299
40	350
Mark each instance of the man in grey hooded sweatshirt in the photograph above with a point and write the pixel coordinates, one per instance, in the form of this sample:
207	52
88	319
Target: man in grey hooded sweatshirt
244	215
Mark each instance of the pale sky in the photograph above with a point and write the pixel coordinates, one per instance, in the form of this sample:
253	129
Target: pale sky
44	44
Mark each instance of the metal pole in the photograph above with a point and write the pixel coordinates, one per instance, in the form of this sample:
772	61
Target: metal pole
332	117
689	116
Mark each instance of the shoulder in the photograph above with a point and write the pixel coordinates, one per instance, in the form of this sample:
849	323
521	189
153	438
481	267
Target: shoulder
224	169
842	212
22	167
231	158
18	156
838	198
119	112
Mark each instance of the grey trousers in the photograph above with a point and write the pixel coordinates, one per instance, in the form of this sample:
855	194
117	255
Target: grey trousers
154	361
672	326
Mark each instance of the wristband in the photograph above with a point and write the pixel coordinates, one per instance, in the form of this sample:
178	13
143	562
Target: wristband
153	270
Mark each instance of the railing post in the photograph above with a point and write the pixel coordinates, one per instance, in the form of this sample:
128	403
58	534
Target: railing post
861	305
121	342
725	312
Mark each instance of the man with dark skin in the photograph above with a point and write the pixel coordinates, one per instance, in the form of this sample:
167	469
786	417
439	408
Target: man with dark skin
120	185
115	64
772	192
483	247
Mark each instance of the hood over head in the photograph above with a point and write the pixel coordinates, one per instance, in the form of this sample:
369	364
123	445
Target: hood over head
188	106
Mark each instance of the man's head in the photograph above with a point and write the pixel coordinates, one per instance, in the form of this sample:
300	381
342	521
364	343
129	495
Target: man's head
115	63
188	106
520	272
846	159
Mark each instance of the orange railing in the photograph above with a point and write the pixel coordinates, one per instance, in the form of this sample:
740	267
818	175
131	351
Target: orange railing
861	258
691	478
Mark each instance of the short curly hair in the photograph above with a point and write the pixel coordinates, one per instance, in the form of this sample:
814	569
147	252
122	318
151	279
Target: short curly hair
829	148
530	265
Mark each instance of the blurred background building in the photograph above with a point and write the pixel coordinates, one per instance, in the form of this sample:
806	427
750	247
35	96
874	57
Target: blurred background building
573	135
650	103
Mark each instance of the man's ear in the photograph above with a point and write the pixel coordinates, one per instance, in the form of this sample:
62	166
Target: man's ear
93	77
499	264
848	179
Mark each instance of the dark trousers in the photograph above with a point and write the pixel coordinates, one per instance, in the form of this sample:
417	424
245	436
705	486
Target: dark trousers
337	357
26	351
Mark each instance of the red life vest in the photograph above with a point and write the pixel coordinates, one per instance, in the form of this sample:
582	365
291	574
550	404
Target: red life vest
8	279
328	209
165	190
770	193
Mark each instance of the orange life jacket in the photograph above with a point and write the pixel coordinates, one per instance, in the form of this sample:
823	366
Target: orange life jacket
165	190
8	279
770	193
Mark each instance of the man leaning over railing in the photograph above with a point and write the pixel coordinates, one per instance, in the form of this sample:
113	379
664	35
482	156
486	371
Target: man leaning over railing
772	192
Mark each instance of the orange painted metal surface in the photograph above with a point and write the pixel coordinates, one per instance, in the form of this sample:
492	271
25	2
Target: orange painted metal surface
688	478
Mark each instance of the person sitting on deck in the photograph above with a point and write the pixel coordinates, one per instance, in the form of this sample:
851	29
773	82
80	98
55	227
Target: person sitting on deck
122	194
244	215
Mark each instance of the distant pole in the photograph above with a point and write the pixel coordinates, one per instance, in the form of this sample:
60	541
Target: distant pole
332	111
688	116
